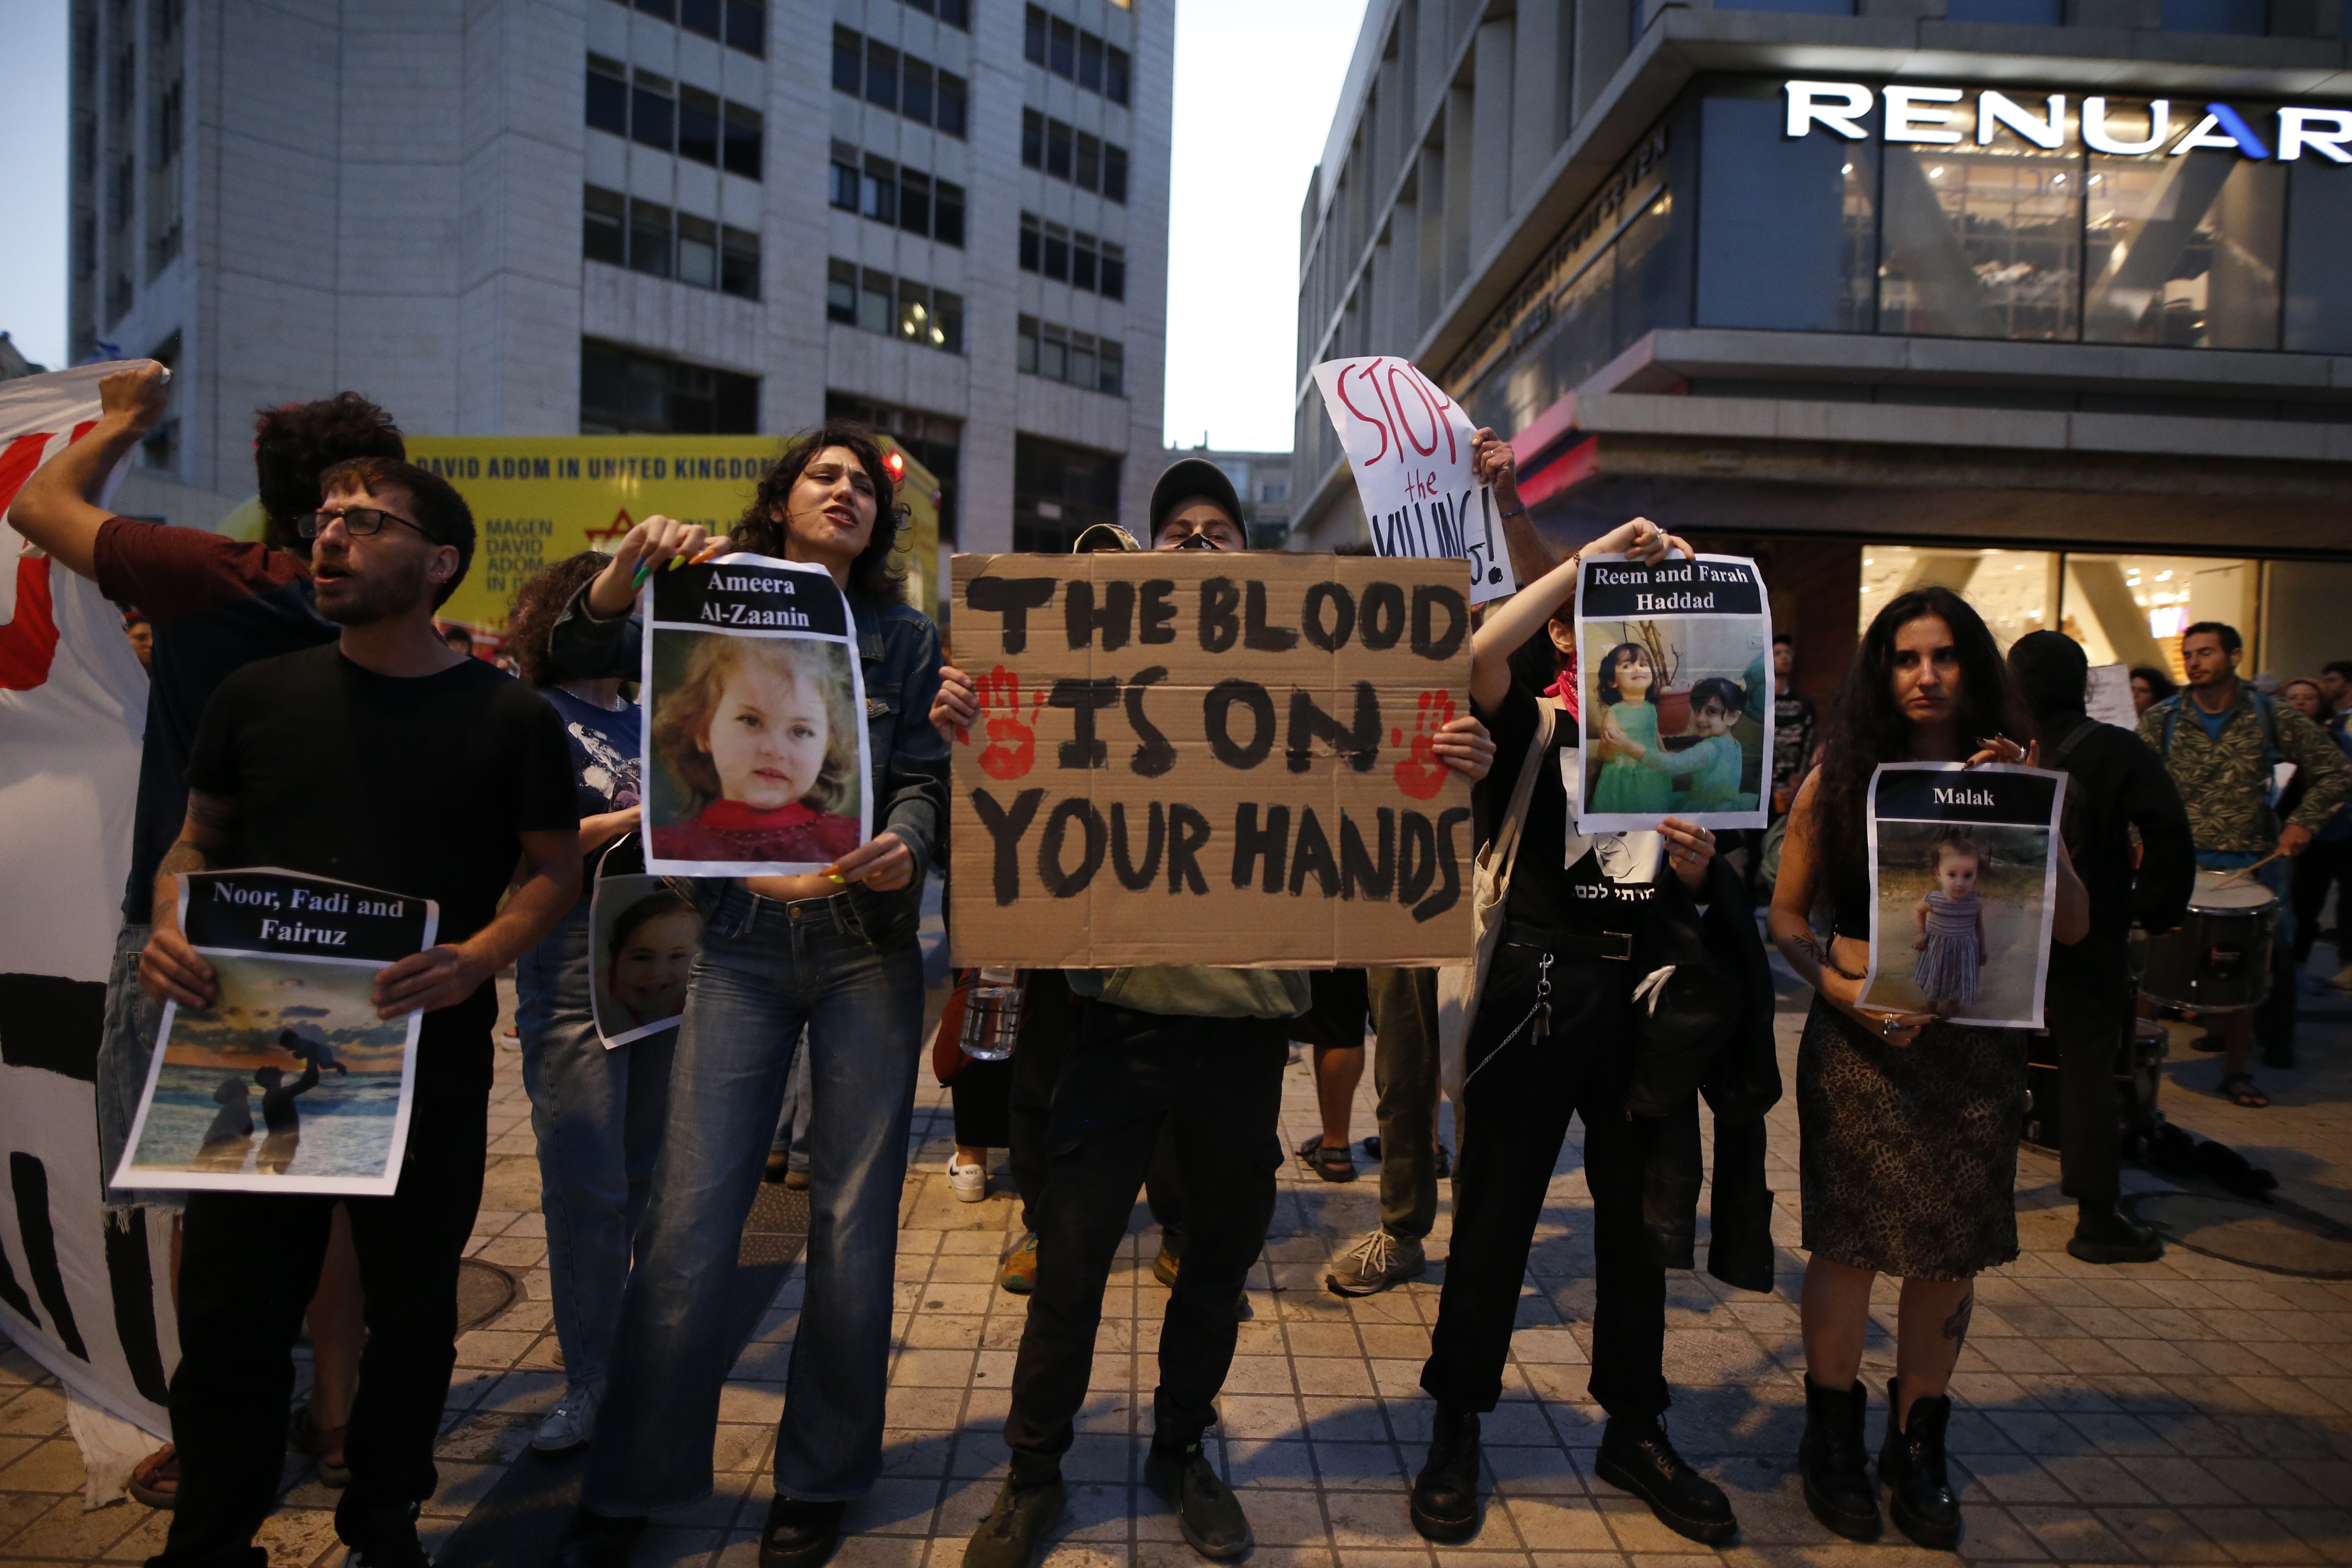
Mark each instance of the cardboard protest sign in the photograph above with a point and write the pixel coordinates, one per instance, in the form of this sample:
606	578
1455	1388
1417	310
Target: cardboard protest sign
1195	758
288	1082
1676	658
755	720
1963	890
1408	445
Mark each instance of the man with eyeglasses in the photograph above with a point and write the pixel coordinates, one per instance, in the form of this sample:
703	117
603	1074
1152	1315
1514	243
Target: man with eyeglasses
392	761
213	604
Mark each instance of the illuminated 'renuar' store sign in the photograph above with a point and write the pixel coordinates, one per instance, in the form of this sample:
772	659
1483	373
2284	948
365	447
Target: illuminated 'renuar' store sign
1948	116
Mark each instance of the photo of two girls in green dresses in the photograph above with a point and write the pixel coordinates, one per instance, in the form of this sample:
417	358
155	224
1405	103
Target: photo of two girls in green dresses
1677	719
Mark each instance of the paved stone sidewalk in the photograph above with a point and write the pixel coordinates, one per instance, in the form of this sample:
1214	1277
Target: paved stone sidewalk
2187	1411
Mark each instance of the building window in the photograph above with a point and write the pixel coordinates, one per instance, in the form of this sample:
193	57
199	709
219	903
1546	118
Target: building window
954	13
914	202
1114	178
1114	272
1090	62
738	24
947	214
1057	149
698	251
743	142
650	239
738	263
1032	139
747	26
1089	172
864	68
1059	490
1061	49
623	390
2249	18
1033	36
703	17
842	189
608	96
1074	359
1084	258
698	126
1075	54
891	307
1057	253
652	113
1116	74
1032	243
665	10
881	191
604	227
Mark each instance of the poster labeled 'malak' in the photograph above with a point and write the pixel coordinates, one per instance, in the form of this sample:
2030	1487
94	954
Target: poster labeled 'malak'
1675	656
1963	890
288	1082
755	720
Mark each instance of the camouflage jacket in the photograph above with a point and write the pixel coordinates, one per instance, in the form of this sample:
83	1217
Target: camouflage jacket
2222	781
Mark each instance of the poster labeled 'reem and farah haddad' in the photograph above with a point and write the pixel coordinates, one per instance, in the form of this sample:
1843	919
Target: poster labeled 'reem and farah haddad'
288	1082
1963	890
1195	758
1408	445
755	720
1676	661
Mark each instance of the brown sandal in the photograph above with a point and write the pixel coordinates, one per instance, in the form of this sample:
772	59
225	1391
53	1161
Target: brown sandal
155	1480
2239	1089
324	1444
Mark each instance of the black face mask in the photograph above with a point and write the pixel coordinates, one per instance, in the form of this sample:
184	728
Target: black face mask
1200	542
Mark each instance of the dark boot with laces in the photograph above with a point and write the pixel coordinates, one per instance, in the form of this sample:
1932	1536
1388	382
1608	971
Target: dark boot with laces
1834	1463
1445	1494
1911	1468
1636	1456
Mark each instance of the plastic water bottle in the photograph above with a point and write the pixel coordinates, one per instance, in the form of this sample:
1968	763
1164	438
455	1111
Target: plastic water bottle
992	1014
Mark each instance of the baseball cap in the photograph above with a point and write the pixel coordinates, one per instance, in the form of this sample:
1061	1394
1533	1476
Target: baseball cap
1189	478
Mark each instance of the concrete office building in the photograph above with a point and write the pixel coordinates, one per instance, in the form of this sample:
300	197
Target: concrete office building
2048	298
569	216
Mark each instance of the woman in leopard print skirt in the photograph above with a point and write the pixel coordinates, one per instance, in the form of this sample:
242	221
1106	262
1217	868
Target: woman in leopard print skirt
1909	1123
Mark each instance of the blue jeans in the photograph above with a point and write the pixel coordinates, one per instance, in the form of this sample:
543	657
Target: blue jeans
599	1115
766	969
126	1046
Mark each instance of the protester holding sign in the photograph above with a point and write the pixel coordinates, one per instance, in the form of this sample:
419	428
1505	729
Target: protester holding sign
390	761
597	1114
1580	1014
1198	1048
1909	1123
834	950
215	605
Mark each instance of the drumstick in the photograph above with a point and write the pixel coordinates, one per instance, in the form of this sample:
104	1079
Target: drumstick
2256	866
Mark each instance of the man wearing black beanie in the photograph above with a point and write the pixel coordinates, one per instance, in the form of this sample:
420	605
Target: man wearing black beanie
2116	783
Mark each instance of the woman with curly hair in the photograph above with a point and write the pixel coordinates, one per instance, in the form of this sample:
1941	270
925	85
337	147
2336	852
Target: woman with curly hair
597	1114
833	953
1909	1123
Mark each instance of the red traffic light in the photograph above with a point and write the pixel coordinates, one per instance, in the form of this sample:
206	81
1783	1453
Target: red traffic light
897	463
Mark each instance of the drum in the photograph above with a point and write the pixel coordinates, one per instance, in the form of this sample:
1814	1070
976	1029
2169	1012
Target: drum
2220	959
2138	1075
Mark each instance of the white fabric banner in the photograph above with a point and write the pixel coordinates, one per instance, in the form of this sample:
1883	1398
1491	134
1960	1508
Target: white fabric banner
91	1303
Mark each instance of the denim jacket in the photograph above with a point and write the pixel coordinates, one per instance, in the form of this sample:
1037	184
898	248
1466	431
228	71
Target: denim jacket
899	648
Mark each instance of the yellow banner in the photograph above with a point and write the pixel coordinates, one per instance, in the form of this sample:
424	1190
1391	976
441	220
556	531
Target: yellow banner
538	498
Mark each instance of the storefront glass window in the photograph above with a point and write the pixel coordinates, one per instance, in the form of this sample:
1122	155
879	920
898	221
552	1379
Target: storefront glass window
2318	238
2181	251
2131	609
2014	590
1790	236
1981	241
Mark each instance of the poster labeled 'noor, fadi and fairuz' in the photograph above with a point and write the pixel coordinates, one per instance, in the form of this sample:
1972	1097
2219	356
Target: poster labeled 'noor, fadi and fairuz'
289	1082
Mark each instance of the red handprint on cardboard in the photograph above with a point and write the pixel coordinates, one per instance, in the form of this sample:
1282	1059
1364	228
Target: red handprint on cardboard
1012	749
1419	774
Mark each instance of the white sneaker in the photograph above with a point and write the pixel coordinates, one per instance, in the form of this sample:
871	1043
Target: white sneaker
571	1423
969	1182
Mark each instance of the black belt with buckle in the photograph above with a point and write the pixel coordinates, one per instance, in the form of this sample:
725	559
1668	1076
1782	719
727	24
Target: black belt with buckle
1615	945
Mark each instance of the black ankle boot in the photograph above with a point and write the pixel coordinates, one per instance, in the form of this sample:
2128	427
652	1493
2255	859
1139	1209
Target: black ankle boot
1831	1457
1445	1494
2102	1235
1911	1468
1637	1456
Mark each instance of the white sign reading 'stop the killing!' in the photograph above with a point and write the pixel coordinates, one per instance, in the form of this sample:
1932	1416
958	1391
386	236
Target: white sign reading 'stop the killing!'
1408	445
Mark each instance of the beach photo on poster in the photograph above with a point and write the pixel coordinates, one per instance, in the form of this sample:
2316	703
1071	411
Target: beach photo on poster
1677	718
1961	918
646	937
290	1074
754	742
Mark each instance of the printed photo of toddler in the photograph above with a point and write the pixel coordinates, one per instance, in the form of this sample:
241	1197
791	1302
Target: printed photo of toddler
653	945
758	741
1950	925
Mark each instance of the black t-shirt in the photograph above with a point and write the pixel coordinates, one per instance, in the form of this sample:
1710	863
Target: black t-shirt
418	786
1580	898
